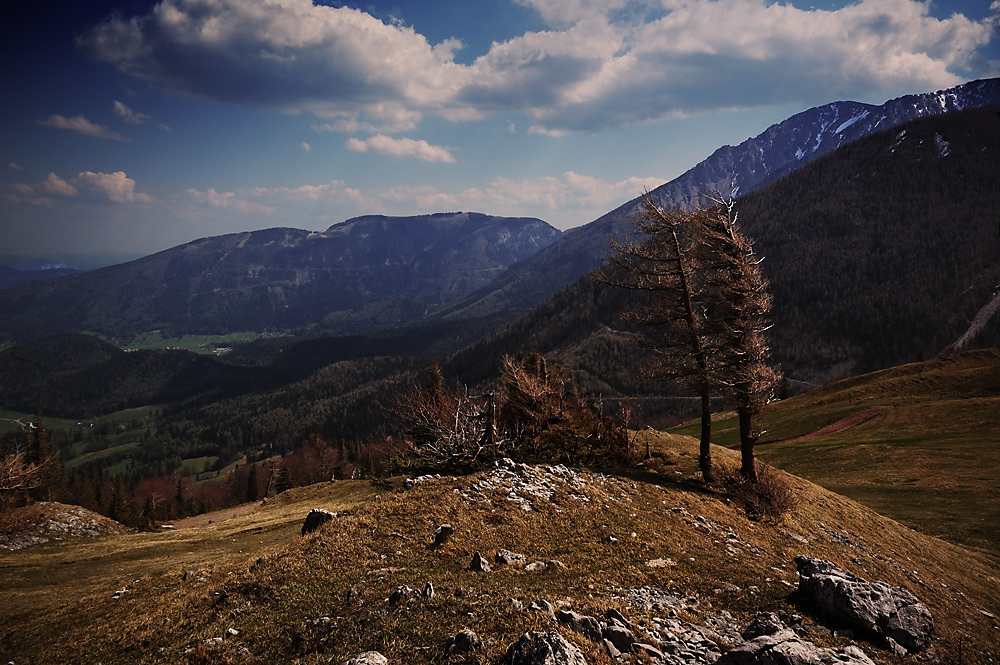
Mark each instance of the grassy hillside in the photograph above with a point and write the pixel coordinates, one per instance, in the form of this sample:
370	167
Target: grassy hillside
255	574
927	455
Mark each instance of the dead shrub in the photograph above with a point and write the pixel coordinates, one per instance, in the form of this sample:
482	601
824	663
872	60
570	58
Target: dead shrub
534	416
765	499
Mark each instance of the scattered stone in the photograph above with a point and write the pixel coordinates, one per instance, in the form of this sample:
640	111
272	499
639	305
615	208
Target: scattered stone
508	558
232	632
620	636
369	658
463	641
535	566
890	612
543	606
400	594
612	650
765	623
661	563
443	534
353	596
461	593
316	518
581	623
556	563
537	648
515	604
479	564
428	590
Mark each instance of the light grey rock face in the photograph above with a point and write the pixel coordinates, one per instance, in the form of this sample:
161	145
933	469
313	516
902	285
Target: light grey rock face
786	648
463	641
581	623
368	658
890	612
316	518
537	648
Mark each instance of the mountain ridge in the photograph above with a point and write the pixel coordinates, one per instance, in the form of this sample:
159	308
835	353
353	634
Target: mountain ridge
366	272
730	169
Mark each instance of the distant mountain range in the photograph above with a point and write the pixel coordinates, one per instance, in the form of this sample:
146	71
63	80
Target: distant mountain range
379	273
31	271
780	149
365	273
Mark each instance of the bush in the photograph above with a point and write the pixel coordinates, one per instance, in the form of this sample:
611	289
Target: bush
767	499
534	416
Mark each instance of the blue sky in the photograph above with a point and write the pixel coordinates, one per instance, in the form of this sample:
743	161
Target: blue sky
132	126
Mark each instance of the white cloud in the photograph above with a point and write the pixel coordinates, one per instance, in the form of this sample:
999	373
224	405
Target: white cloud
14	166
305	146
81	125
86	187
602	63
402	147
127	115
564	201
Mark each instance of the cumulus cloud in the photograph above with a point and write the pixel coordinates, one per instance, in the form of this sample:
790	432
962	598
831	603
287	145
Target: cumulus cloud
564	201
127	115
602	63
402	147
81	125
85	187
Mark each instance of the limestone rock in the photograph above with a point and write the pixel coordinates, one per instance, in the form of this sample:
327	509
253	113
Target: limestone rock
890	612
508	558
443	534
581	623
543	606
786	648
765	623
463	641
479	564
537	648
316	518
368	658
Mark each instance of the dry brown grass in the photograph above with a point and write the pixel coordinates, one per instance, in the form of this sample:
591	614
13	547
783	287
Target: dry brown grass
57	611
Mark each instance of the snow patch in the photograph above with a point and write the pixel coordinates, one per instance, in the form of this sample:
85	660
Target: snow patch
851	121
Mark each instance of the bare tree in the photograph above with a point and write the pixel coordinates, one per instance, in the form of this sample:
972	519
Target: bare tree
705	323
667	257
745	310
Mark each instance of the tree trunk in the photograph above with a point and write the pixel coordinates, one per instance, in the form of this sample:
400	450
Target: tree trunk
705	456
748	468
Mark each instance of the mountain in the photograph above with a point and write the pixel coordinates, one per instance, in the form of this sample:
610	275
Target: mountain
780	149
878	253
32	271
367	272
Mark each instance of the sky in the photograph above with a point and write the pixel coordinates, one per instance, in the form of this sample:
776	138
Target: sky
131	126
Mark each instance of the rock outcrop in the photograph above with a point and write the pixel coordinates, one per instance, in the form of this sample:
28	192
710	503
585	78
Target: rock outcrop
316	518
890	613
538	648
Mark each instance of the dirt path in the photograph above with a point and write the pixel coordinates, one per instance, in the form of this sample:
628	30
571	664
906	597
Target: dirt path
839	426
216	516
